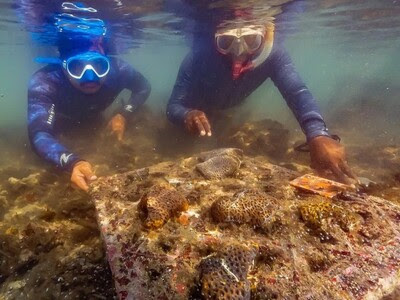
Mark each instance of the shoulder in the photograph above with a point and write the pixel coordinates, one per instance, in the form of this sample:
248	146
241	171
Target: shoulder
46	80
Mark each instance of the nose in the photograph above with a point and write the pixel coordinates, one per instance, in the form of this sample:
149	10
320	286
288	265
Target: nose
239	48
89	76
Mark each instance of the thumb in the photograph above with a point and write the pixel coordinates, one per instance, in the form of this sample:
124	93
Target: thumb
88	173
120	135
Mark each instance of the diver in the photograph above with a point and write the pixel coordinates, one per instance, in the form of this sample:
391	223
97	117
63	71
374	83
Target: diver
225	66
76	88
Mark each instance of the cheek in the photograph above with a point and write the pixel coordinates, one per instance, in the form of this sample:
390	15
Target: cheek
74	82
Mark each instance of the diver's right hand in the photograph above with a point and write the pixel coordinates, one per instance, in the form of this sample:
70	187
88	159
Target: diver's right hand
82	175
196	122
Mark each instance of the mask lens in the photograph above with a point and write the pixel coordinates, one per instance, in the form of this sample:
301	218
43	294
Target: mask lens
224	42
75	67
100	65
253	41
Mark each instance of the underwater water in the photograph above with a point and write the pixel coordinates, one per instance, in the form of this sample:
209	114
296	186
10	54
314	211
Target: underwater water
347	53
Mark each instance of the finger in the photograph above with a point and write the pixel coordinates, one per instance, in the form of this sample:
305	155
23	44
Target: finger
120	135
80	182
346	169
340	176
88	173
206	125
200	127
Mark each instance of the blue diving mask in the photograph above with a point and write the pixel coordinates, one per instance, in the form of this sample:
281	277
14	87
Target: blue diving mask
82	65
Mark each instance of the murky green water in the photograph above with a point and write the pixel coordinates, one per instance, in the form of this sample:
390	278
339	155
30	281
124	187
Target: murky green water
347	52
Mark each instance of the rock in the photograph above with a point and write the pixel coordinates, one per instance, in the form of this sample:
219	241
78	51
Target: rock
265	137
26	213
249	236
30	182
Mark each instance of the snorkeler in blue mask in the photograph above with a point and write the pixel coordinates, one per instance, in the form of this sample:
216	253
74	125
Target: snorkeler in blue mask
76	88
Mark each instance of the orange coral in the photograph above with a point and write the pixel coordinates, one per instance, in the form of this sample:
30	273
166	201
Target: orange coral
160	204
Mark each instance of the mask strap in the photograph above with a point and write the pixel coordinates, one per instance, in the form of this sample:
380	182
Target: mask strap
48	60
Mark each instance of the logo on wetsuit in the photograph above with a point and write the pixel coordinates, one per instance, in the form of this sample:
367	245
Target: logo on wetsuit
64	159
51	115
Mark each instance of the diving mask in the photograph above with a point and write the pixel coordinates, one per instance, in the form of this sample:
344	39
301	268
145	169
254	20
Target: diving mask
249	46
239	40
79	64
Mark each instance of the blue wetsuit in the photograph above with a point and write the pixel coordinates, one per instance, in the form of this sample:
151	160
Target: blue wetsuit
205	83
53	100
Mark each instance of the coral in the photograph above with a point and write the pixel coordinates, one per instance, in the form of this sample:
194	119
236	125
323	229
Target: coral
219	166
30	182
224	275
246	207
219	152
160	204
315	213
220	163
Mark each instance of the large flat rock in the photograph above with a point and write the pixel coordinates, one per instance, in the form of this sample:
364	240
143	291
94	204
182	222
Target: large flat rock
221	225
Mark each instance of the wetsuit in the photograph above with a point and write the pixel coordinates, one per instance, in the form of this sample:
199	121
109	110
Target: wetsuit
205	83
53	100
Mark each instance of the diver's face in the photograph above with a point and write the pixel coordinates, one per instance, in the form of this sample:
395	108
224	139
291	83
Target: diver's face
241	45
87	71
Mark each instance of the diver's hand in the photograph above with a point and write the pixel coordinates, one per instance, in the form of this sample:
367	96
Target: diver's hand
196	122
117	126
82	175
328	155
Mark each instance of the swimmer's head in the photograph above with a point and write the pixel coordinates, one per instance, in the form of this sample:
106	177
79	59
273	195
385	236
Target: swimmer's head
85	64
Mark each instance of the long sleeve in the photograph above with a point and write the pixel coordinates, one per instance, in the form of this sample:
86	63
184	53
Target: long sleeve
177	106
297	95
137	84
41	118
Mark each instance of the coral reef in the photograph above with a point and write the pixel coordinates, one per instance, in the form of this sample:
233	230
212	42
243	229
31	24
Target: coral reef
250	236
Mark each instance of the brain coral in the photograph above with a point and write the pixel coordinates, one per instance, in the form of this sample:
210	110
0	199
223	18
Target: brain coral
219	166
224	275
245	207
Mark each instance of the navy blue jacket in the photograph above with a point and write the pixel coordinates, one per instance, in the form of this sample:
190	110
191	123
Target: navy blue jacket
53	100
205	83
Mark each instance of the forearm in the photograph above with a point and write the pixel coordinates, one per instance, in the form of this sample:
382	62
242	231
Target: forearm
139	96
51	150
176	113
298	97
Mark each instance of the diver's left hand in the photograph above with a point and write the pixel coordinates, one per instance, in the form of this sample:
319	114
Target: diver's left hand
117	126
328	155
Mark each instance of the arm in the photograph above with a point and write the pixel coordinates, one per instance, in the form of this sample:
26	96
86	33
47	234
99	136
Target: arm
327	155
297	95
177	107
41	117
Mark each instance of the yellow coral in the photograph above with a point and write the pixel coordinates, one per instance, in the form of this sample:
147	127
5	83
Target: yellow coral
314	214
